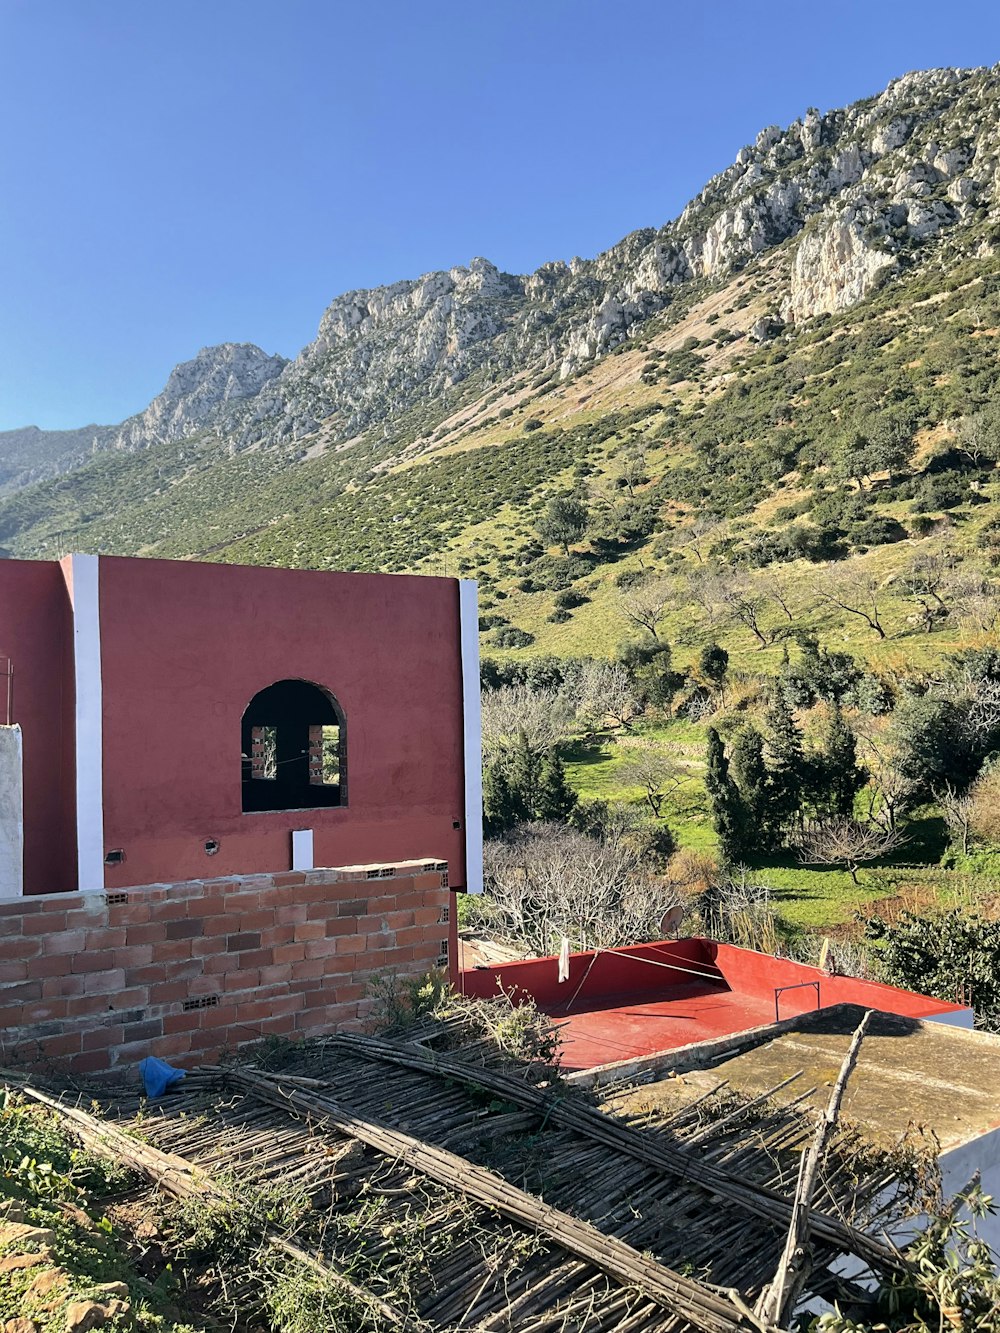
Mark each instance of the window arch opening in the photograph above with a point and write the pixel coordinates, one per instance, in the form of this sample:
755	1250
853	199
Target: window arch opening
294	749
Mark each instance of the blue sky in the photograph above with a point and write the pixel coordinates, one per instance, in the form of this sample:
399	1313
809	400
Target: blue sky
176	173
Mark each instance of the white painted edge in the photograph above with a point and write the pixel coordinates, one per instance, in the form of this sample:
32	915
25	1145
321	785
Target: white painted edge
302	849
89	723
472	711
15	797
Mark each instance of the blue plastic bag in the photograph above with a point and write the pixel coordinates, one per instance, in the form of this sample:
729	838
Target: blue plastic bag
158	1076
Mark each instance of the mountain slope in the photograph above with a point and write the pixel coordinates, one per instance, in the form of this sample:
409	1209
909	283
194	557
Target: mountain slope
841	274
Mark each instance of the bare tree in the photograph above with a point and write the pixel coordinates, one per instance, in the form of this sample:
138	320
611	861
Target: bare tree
746	603
544	716
927	581
779	589
855	591
547	882
976	598
847	842
607	691
655	769
890	792
958	808
646	605
700	532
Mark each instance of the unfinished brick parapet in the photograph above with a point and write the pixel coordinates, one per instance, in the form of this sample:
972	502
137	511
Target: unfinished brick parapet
184	971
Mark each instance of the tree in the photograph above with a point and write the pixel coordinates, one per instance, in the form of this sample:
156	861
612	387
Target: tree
745	603
555	799
607	690
787	765
837	775
728	811
713	665
926	581
753	780
503	807
542	715
857	592
953	955
649	666
979	436
657	771
546	882
931	740
564	521
848	843
958	808
646	606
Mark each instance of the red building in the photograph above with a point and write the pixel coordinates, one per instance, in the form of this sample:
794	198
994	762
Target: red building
182	721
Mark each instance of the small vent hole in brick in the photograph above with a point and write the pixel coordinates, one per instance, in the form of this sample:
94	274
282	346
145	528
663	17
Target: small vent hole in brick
202	1002
115	899
211	846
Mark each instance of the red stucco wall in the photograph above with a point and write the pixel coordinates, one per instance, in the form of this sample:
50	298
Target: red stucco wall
36	633
185	647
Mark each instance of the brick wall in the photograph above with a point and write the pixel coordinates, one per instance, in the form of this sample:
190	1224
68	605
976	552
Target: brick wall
92	981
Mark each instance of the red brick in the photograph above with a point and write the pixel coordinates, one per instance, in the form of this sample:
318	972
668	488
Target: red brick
100	1038
103	983
15	972
105	937
350	943
20	948
276	972
288	953
220	964
92	1062
63	985
310	930
72	942
168	992
244	979
44	923
153	932
169	1047
324	948
68	1043
184	1022
287	878
289	914
412	936
277	935
144	976
132	997
134	955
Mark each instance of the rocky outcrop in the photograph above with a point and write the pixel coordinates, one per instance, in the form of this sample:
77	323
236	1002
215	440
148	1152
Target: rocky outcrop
199	393
852	194
835	266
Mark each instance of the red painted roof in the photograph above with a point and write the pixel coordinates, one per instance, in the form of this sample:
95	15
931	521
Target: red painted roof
623	1003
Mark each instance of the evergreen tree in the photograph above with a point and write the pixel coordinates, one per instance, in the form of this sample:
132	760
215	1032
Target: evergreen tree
752	778
788	764
556	798
649	664
713	663
502	807
728	812
524	771
838	778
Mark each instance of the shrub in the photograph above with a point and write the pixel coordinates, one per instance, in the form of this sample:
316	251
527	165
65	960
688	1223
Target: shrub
512	637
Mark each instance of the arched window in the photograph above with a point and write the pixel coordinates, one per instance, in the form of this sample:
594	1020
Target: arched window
294	746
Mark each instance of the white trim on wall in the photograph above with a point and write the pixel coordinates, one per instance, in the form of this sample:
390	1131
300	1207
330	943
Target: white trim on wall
89	722
468	603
